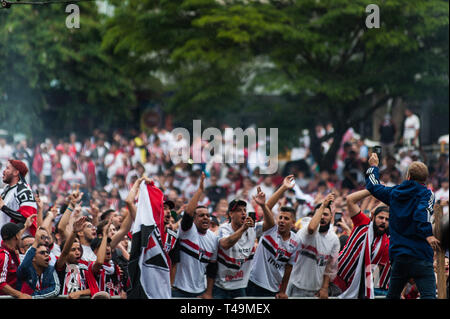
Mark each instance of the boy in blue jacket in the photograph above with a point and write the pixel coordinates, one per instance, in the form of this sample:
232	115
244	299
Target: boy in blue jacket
411	235
35	276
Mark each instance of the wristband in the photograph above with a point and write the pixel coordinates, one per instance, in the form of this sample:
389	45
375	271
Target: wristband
69	209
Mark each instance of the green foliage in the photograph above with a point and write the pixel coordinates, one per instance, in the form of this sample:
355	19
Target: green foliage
318	57
56	79
277	63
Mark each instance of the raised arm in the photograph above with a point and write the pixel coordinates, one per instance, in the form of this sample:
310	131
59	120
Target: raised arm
353	199
315	220
288	183
77	227
101	252
27	224
373	183
124	229
23	269
47	222
40	210
129	201
74	198
192	205
268	219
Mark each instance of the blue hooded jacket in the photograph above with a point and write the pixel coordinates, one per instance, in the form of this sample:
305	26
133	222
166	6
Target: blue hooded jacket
411	206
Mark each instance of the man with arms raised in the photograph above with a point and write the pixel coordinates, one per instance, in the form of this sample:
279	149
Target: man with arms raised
367	246
277	245
198	251
316	256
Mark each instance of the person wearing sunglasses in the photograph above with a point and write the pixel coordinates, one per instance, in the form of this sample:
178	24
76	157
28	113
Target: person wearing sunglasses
35	276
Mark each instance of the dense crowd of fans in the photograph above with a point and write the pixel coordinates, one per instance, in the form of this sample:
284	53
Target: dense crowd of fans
93	178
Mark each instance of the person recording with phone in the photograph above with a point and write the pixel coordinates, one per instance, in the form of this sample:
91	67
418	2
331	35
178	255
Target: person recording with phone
235	252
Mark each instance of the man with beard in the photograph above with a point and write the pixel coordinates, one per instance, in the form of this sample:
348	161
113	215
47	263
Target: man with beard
366	249
316	256
197	251
275	252
17	202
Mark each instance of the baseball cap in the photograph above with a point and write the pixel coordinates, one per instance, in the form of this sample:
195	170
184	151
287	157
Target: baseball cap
20	166
9	230
235	203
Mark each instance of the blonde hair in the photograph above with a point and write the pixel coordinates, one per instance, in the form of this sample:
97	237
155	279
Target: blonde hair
418	171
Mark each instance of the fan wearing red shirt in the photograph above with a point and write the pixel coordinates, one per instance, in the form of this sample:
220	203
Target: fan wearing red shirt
9	260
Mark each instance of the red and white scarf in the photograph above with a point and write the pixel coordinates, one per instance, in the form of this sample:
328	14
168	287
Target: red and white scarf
363	253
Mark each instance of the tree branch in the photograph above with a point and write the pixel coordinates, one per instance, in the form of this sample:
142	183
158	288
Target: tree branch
370	110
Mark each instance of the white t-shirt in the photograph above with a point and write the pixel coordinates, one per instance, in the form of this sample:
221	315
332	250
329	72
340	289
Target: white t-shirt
271	257
234	264
196	251
88	254
412	123
314	253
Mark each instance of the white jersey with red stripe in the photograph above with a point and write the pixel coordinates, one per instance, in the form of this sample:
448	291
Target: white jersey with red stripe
196	251
271	257
234	264
20	200
315	252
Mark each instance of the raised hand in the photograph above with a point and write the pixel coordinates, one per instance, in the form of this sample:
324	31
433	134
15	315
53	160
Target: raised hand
29	221
289	181
75	197
260	197
78	225
373	160
94	210
328	199
106	228
39	204
202	182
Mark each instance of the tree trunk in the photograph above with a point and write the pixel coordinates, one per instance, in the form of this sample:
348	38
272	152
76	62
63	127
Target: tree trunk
328	160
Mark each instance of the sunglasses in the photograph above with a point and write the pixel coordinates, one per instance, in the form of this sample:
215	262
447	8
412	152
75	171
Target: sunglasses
44	252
